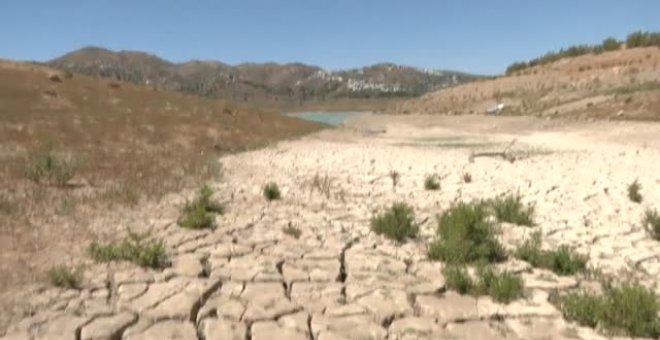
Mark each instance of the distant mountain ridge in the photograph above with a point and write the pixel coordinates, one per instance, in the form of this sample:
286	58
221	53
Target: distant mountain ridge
259	83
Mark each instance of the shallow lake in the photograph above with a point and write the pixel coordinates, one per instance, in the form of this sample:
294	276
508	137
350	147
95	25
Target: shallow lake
331	118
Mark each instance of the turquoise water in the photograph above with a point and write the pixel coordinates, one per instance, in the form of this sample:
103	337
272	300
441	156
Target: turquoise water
331	118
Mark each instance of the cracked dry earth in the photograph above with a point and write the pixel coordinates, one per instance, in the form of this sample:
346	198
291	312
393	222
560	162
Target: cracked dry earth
247	279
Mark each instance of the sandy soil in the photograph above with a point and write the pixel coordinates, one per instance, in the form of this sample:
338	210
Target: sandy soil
248	279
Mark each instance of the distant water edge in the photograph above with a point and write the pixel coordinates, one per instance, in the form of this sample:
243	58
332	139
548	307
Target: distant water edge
331	118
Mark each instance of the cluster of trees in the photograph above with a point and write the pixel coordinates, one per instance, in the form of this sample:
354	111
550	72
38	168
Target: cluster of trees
636	39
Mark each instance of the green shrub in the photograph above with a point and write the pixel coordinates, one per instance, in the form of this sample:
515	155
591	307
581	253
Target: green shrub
198	214
501	286
633	192
65	277
292	231
396	223
431	182
652	223
467	178
563	261
642	39
515	67
204	199
47	166
458	279
611	44
511	209
625	309
136	248
195	217
272	191
465	234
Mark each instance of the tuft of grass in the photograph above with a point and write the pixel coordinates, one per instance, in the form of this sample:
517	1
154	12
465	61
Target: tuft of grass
195	217
633	192
395	176
467	178
322	184
396	223
272	191
511	209
624	309
136	248
458	279
634	88
652	223
292	231
123	193
65	277
198	214
466	234
46	166
431	182
562	261
501	286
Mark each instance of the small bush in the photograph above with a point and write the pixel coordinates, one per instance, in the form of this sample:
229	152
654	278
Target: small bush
397	223
198	214
611	44
466	234
135	248
49	167
292	231
625	309
272	191
563	261
652	223
467	178
501	286
511	209
65	277
204	199
431	182
633	192
196	217
458	279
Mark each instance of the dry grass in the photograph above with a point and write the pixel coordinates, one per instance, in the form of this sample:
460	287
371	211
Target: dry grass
612	85
131	145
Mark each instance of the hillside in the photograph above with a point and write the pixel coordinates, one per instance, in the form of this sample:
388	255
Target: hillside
621	84
125	144
284	85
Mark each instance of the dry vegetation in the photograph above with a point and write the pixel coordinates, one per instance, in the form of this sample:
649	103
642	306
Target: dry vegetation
72	147
618	84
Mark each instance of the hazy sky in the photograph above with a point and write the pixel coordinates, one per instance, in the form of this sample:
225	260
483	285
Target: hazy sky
479	36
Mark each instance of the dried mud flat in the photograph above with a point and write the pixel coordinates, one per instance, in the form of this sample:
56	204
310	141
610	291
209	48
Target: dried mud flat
247	279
